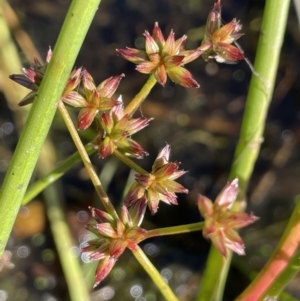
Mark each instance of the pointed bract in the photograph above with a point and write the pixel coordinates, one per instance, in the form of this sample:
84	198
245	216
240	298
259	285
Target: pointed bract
75	100
100	216
87	80
29	98
158	36
133	55
104	268
49	55
182	77
86	117
108	87
137	211
73	81
228	194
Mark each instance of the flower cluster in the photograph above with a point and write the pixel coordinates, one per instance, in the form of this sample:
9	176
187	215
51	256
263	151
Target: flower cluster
113	237
115	132
159	185
93	99
220	221
217	40
163	57
116	128
32	78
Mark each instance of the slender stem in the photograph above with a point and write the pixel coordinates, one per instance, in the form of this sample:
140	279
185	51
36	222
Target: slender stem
86	160
140	97
265	282
54	175
61	232
276	289
129	162
258	100
10	63
73	32
64	244
154	274
174	230
278	285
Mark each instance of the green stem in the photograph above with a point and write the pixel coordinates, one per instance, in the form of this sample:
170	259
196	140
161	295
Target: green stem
62	237
86	161
266	283
54	175
77	22
258	100
175	230
129	162
140	97
61	232
278	285
154	274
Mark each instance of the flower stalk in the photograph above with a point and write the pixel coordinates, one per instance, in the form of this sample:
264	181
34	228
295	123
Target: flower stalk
141	96
54	175
86	160
154	274
175	230
129	162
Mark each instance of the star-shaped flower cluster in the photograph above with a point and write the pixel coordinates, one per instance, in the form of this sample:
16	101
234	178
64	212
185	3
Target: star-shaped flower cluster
163	58
32	78
113	237
115	133
217	40
159	185
220	220
93	99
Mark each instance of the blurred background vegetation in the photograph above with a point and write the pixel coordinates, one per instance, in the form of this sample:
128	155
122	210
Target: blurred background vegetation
201	125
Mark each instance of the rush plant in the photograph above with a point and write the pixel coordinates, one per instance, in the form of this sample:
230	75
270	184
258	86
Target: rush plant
54	86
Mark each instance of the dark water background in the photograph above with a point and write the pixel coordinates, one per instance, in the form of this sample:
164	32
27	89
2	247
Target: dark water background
202	127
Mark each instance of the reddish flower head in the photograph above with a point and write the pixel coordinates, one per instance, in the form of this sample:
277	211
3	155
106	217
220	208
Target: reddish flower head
217	40
159	185
94	98
115	133
163	57
220	221
33	76
113	237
